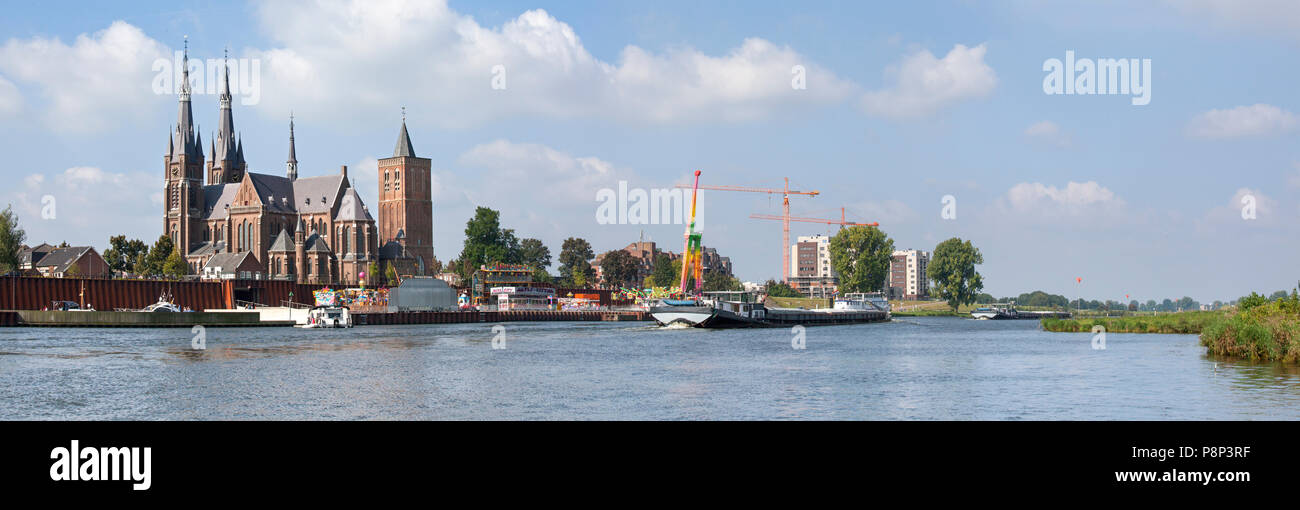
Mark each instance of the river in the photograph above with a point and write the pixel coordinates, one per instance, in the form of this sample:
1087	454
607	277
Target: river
922	368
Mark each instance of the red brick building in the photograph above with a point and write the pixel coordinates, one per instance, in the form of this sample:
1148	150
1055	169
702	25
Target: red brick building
308	229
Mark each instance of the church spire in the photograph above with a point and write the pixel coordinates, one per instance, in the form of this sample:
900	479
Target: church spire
404	147
291	166
183	139
227	147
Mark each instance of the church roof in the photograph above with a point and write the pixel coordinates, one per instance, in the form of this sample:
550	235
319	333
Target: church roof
282	243
404	147
353	209
208	248
392	250
316	243
316	194
218	197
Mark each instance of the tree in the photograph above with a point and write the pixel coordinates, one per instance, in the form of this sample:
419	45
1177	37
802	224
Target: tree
156	259
486	243
719	281
11	240
175	266
391	275
574	266
534	253
372	273
861	256
776	289
141	266
619	268
122	253
953	272
662	274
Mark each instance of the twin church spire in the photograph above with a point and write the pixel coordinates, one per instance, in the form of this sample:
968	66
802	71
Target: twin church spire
227	146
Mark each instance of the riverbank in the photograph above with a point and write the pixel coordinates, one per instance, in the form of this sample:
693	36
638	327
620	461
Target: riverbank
1267	332
1181	323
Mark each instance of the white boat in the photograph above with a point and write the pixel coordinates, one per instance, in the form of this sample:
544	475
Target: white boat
163	305
328	317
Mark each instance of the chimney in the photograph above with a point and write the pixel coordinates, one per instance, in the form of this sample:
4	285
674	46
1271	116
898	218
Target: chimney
345	171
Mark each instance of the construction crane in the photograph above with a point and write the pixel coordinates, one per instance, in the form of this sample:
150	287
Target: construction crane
841	222
785	213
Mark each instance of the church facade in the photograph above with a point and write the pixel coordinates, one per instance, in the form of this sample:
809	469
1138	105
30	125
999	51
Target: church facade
306	229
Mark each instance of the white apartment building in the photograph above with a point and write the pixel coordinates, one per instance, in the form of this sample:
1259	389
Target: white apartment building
811	272
907	274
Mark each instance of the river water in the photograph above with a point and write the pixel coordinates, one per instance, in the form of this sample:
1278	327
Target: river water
924	368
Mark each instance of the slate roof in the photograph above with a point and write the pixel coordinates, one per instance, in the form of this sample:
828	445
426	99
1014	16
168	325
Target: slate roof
316	243
60	258
404	147
282	243
305	195
357	211
228	262
208	248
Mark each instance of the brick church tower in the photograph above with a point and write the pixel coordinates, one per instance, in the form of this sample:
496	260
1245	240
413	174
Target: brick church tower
406	201
183	202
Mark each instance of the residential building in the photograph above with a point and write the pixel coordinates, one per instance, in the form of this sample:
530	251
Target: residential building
908	278
812	273
72	261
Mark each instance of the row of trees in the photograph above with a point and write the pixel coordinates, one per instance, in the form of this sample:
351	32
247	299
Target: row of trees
1039	298
134	256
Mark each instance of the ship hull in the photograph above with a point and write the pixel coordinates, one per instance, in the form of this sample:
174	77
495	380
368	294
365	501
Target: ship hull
706	317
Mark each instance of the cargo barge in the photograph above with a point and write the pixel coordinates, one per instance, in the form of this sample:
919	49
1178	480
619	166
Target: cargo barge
744	310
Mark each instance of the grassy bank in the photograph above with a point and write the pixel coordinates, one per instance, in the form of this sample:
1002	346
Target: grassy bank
946	312
1175	323
1265	332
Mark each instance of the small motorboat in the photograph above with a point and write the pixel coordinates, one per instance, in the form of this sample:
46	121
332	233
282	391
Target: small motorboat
164	304
328	317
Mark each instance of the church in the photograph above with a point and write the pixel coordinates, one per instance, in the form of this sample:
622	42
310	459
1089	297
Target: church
306	229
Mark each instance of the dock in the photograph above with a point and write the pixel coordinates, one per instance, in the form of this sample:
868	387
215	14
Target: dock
269	318
97	319
361	319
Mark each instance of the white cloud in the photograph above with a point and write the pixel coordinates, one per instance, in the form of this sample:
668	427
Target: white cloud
349	58
81	196
96	83
1090	201
1267	212
1049	133
923	84
11	101
1255	120
537	169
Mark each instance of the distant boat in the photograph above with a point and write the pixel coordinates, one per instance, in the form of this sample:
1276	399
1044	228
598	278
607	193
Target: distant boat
1008	311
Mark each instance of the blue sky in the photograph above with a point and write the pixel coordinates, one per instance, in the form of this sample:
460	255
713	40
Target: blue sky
904	103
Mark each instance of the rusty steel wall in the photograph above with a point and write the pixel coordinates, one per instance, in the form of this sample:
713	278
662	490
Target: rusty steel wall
36	293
